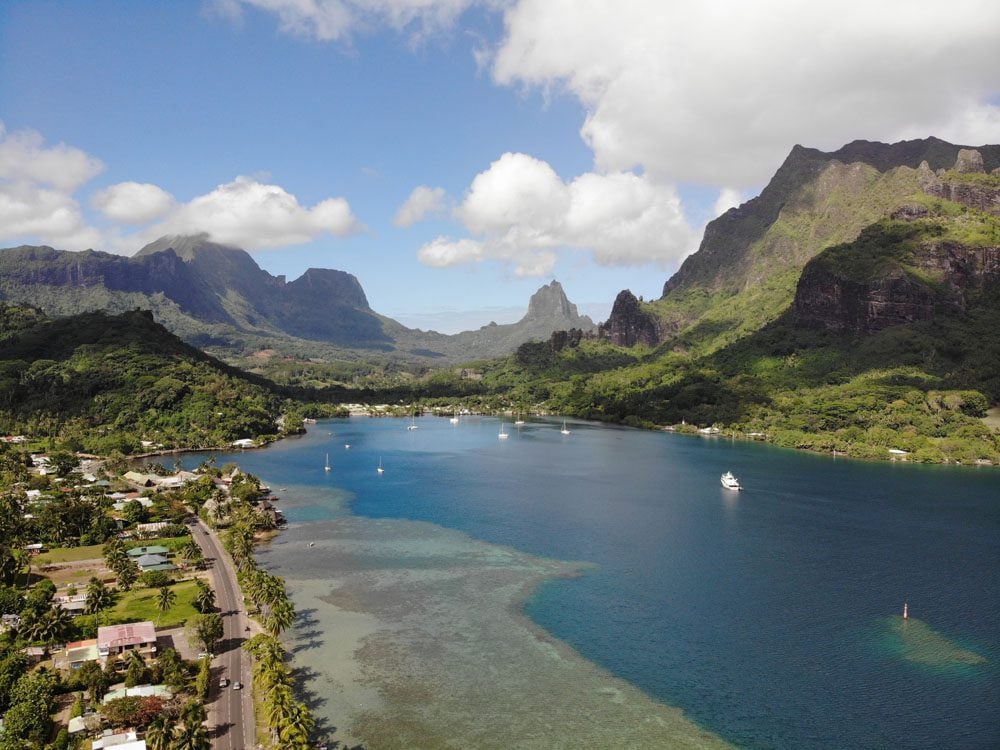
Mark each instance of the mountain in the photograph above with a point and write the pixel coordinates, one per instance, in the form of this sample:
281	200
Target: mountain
105	383
216	296
852	308
745	271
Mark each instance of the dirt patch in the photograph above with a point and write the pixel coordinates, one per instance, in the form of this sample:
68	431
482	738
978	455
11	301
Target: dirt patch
992	418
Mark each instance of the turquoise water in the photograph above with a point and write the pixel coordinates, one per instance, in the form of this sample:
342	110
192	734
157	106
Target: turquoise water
768	615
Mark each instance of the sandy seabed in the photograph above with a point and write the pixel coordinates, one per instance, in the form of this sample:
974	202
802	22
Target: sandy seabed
412	636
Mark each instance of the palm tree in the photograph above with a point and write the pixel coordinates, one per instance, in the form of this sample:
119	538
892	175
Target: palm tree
298	725
99	596
159	733
205	598
280	617
191	737
165	601
56	621
191	550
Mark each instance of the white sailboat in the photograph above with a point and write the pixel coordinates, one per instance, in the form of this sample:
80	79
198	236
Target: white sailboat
380	469
518	422
327	467
454	417
564	431
503	434
413	424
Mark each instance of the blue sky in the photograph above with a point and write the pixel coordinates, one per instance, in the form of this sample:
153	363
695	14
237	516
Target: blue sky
592	152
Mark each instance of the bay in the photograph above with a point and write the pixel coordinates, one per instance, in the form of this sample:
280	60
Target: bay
769	617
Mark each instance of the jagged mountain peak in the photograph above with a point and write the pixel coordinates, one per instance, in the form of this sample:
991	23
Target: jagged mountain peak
550	301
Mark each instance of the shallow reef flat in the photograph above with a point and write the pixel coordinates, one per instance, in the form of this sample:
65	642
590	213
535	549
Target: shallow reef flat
414	637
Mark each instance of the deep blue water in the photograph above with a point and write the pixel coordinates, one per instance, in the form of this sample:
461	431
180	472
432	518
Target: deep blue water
763	614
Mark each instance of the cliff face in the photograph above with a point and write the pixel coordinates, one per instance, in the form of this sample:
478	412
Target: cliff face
745	272
920	263
629	324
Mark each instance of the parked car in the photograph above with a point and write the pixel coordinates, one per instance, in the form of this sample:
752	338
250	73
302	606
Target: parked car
224	682
237	685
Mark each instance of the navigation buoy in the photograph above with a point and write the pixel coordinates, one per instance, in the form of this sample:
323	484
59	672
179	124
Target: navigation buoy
906	611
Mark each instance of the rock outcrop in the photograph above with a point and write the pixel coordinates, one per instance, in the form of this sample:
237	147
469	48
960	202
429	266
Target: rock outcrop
982	194
629	324
935	279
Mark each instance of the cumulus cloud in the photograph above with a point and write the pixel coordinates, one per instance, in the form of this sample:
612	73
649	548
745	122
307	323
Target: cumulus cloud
38	204
255	216
522	213
133	202
37	183
333	20
423	201
25	159
717	92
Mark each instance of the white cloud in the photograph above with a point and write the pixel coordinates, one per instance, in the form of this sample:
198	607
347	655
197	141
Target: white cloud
36	191
423	201
24	159
133	202
333	20
522	213
728	198
717	92
255	216
37	204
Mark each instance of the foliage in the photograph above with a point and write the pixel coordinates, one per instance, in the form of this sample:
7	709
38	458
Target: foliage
108	382
207	629
132	711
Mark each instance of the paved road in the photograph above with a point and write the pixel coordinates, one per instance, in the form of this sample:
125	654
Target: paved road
232	709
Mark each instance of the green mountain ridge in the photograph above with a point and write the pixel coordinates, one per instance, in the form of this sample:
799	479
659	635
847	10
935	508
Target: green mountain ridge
105	383
217	297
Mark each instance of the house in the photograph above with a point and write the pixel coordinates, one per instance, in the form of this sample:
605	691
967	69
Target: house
154	562
140	479
139	691
78	653
75	604
90	722
34	653
244	443
150	529
133	636
121	741
153	549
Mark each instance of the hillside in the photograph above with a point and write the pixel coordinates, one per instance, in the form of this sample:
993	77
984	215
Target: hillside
746	269
105	383
886	340
216	297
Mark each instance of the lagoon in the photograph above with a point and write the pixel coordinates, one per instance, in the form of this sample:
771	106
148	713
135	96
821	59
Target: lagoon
602	587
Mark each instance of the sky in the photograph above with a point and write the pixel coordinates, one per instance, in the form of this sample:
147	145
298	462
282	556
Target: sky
455	155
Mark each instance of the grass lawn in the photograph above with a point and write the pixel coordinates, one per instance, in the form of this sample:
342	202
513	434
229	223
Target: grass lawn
69	554
140	604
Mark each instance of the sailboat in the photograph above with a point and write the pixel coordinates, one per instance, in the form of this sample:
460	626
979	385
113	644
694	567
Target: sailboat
454	417
564	431
413	424
518	422
380	469
327	467
503	435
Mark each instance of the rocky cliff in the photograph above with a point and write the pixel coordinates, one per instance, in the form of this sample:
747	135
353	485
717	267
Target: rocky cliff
920	263
629	324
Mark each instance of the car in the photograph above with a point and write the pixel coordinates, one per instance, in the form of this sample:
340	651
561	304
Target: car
204	655
237	685
224	682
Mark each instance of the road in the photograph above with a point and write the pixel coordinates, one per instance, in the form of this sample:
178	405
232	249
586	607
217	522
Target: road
232	709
